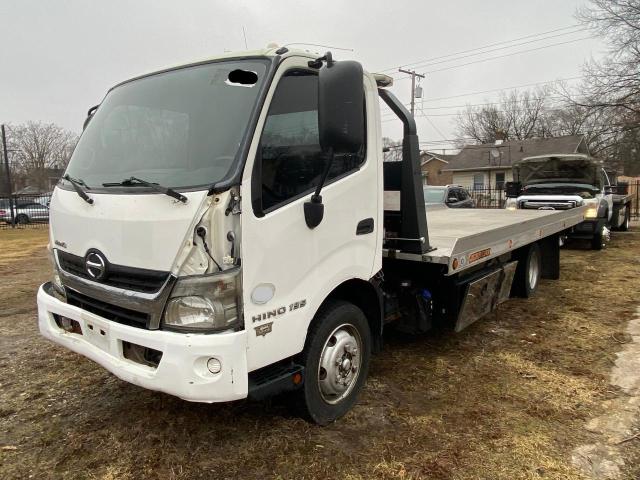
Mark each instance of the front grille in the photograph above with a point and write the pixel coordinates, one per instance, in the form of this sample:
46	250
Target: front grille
545	205
128	278
106	310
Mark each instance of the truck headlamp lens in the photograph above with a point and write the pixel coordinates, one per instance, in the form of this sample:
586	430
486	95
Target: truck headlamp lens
592	209
592	212
58	289
193	312
205	303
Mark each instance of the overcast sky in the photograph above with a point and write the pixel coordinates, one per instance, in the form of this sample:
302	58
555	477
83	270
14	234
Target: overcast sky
58	57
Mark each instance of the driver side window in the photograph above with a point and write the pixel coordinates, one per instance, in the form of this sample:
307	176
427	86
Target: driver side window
290	162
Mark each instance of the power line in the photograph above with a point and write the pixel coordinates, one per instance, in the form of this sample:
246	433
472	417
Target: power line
430	63
480	48
390	113
511	54
502	88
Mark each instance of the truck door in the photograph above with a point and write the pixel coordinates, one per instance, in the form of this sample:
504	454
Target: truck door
288	268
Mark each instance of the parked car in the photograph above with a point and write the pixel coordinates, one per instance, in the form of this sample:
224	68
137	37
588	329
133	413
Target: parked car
24	211
453	196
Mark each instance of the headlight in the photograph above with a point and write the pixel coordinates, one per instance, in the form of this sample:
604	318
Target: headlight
205	303
511	204
592	208
56	280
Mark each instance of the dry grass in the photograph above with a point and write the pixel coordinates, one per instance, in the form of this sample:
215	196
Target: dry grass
19	243
506	399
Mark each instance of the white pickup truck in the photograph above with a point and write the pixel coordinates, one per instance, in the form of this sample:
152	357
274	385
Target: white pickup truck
562	182
228	229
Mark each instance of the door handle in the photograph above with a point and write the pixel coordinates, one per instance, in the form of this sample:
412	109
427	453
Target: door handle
364	226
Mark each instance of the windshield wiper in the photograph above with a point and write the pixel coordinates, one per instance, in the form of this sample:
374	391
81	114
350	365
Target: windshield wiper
77	184
133	181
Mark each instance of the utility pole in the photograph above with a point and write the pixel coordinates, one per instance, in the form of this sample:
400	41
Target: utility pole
8	173
413	74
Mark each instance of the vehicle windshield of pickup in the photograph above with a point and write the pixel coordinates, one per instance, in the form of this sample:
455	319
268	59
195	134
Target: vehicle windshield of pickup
582	190
180	128
558	169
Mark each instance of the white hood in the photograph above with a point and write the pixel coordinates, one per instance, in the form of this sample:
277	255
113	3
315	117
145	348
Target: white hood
141	230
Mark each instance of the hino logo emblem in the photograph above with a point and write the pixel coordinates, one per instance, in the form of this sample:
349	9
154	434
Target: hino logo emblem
95	264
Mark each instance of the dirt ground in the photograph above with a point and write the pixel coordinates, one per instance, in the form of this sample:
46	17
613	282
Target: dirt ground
508	398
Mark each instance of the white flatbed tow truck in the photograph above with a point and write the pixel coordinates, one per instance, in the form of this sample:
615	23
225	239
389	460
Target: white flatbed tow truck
228	229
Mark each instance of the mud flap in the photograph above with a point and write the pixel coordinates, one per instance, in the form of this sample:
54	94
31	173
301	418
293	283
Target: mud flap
484	294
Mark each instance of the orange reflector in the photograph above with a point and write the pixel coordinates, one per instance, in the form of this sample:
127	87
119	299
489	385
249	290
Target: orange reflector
297	378
455	263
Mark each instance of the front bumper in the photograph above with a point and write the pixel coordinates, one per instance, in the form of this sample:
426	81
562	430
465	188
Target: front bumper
182	370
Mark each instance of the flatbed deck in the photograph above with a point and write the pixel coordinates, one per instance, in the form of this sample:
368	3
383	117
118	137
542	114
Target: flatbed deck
462	238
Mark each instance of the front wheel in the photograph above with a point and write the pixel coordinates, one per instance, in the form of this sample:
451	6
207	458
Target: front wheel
336	359
600	238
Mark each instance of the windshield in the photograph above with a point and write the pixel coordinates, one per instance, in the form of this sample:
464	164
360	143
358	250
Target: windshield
180	128
434	195
556	170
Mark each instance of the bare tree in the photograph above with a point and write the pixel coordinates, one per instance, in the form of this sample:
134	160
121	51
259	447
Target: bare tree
614	83
41	146
517	116
392	150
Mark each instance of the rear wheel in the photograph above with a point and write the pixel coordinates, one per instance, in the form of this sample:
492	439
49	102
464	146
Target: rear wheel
528	272
627	219
22	219
336	359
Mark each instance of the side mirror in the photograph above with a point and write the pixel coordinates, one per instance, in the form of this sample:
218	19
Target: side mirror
341	123
341	107
513	189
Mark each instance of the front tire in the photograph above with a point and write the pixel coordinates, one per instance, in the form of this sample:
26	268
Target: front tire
336	359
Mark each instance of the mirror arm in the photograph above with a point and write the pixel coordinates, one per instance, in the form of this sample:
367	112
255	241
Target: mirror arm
325	174
314	208
317	63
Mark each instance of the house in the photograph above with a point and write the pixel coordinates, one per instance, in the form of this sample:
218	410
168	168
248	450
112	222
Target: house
432	166
488	166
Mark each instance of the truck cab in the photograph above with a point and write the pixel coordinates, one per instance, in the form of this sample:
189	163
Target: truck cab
228	229
561	182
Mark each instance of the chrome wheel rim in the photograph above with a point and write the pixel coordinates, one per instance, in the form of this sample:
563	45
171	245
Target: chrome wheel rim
340	363
534	269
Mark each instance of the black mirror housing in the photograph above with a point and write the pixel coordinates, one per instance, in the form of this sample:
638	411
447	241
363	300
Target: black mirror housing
513	189
341	107
313	212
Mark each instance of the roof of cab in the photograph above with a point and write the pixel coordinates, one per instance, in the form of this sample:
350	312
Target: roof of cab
271	51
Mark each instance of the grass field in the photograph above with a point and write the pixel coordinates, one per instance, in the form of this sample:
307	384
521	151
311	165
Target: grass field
508	398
